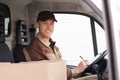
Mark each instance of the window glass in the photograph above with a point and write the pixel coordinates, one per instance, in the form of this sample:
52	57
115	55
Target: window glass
73	37
7	20
101	39
98	3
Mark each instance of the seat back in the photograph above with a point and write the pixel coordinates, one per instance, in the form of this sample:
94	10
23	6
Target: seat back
18	54
22	40
5	54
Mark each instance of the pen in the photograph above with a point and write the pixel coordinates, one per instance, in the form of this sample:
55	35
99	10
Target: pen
81	57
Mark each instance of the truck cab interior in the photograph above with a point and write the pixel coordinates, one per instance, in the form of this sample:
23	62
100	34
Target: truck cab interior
80	25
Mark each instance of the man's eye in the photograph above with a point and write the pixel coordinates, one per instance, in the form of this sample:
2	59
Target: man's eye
44	22
52	23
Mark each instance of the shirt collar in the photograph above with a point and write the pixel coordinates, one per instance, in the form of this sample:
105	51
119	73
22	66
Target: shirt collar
47	43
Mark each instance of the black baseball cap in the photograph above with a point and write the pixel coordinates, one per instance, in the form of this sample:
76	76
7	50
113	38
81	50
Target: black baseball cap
45	15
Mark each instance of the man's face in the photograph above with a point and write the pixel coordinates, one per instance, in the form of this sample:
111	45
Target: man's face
46	28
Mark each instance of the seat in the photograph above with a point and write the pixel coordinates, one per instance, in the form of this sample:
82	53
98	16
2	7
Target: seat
18	54
5	54
22	40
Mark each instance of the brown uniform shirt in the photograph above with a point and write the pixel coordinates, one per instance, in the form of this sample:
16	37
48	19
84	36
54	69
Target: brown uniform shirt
39	50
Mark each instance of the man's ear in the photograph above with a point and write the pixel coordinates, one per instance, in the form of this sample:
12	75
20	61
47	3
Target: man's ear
37	24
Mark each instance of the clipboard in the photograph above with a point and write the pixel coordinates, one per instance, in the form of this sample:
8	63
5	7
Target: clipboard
97	58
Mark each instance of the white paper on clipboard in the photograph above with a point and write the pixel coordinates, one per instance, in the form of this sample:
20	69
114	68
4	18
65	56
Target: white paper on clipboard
98	57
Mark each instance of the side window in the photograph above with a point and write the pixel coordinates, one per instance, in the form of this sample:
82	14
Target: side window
73	37
7	25
101	39
5	14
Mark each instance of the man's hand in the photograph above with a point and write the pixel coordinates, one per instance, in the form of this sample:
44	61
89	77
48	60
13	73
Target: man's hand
82	66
